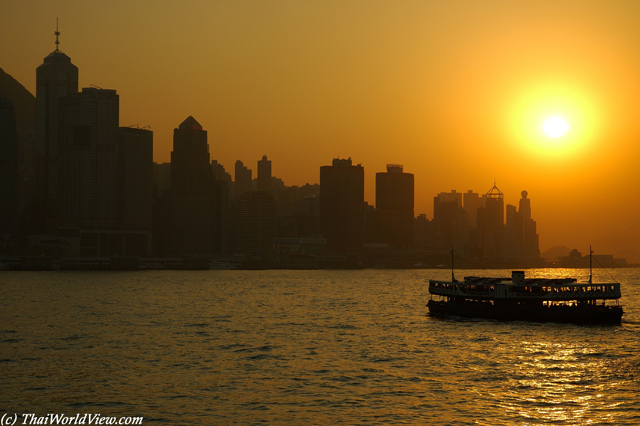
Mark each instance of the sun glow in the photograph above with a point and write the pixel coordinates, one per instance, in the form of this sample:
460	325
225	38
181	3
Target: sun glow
555	127
538	121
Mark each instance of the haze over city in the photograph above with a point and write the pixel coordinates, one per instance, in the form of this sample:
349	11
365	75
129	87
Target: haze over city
457	92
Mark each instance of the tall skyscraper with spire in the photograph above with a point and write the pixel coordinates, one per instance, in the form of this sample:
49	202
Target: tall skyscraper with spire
494	231
55	78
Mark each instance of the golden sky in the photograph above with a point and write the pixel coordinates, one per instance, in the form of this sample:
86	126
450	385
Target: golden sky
454	90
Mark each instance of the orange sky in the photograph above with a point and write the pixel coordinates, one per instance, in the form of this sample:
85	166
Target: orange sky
456	91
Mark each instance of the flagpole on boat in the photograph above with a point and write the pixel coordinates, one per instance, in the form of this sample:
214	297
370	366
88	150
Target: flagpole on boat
590	266
453	278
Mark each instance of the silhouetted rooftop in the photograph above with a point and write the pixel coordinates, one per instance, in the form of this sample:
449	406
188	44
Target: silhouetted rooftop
190	123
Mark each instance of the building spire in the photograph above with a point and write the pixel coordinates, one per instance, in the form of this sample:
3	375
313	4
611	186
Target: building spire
57	33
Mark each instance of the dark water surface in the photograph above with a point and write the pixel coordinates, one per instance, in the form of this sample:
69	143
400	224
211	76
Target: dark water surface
302	348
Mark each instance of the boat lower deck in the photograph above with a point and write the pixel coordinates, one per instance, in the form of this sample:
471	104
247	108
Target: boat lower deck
577	314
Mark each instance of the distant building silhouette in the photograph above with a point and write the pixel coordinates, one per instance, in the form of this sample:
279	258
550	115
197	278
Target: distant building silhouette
522	238
471	202
342	205
264	175
493	225
136	179
161	177
191	190
219	173
55	78
89	152
255	223
8	175
394	203
243	179
105	190
222	209
24	107
451	223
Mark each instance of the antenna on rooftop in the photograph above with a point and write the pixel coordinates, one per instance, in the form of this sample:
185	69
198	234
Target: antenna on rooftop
57	33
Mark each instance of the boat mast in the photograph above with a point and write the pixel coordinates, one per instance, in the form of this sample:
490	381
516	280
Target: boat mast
590	268
453	278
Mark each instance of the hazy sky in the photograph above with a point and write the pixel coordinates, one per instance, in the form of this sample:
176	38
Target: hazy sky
456	91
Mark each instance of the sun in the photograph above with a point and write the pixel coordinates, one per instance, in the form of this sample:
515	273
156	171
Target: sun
554	127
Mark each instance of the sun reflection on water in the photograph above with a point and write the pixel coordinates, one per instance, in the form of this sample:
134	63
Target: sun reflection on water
557	382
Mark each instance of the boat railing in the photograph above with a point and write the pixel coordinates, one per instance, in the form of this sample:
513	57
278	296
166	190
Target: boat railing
547	292
571	292
461	289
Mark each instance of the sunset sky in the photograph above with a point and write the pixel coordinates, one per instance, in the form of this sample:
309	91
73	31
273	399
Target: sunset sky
456	91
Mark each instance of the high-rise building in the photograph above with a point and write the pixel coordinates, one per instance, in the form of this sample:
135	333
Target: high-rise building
136	178
450	222
161	178
136	190
105	176
471	202
494	231
191	190
256	223
243	179
219	172
222	209
342	205
264	175
530	238
8	174
394	203
57	77
89	160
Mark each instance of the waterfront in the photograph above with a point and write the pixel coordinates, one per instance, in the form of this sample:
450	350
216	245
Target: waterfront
303	347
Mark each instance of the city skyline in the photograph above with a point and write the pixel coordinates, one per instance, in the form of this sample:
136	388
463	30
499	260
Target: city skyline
456	115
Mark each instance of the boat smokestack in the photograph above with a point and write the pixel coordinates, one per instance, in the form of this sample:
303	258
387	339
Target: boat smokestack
517	277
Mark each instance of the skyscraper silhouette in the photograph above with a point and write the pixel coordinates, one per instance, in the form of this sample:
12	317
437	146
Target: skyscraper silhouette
191	190
530	239
450	222
394	203
135	180
264	175
255	223
89	154
8	174
342	205
242	179
494	231
55	78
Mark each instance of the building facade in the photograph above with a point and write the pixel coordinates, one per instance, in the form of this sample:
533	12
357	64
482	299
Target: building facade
243	179
89	160
264	175
395	204
191	191
56	78
8	174
256	223
342	207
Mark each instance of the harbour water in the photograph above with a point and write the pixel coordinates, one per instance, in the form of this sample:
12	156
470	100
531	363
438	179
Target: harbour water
303	348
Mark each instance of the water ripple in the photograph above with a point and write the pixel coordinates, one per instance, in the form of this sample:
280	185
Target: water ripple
313	348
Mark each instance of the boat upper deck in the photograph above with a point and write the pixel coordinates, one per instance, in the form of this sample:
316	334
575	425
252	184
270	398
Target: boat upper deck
517	287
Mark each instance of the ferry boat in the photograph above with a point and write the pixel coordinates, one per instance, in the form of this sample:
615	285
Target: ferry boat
527	299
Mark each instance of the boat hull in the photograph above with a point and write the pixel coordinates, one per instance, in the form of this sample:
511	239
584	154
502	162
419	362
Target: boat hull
561	314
